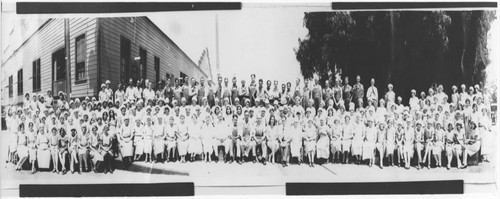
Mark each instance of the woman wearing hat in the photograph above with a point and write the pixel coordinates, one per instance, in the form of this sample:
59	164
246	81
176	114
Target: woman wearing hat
370	135
336	139
419	142
449	137
485	134
408	145
31	136
22	147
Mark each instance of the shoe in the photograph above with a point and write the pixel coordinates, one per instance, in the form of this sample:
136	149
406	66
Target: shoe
264	163
79	172
254	161
72	172
111	172
105	171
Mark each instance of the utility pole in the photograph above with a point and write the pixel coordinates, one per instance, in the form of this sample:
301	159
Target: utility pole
217	66
68	58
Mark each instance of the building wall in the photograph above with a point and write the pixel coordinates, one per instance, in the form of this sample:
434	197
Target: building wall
45	41
141	33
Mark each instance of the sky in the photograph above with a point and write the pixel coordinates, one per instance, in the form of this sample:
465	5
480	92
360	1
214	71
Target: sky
252	40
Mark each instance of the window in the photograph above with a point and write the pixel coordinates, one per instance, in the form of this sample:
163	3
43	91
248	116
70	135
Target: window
183	77
37	81
157	69
143	65
80	57
20	82
11	90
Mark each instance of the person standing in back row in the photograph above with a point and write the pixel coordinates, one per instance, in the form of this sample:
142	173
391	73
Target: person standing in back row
372	92
358	91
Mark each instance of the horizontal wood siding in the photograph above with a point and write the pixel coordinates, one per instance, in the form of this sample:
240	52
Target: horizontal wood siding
142	34
41	45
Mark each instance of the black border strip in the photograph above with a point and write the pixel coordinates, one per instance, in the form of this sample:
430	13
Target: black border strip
409	5
106	190
119	7
417	187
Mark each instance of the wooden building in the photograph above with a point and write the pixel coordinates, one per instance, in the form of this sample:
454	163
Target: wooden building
100	49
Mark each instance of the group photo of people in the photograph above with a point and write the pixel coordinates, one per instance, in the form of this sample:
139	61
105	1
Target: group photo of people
259	121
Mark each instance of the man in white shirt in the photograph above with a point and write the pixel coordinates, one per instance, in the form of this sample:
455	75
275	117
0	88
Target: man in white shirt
108	90
414	101
103	96
372	92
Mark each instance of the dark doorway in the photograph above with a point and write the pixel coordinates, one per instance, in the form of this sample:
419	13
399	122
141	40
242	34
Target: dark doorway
125	59
59	72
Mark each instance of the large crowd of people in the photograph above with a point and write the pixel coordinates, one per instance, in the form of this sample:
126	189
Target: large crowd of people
195	120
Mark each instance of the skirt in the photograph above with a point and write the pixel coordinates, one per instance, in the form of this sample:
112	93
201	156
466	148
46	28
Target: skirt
127	149
472	149
310	146
170	144
409	148
437	148
273	145
346	145
486	142
139	147
148	146
295	147
389	148
357	147
323	148
208	145
195	146
32	154
182	147
419	147
368	150
43	158
22	151
158	146
96	156
336	145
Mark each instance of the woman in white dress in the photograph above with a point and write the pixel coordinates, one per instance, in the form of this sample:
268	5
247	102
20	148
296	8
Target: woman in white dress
73	149
159	139
182	138
486	137
310	141
369	142
336	139
148	138
170	138
31	134
97	158
272	138
195	146
323	142
296	142
22	147
207	138
83	149
438	143
138	139
43	152
357	139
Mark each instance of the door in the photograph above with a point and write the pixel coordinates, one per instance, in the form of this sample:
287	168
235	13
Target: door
125	72
59	72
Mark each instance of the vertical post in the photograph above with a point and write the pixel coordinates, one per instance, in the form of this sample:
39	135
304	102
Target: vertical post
67	57
217	66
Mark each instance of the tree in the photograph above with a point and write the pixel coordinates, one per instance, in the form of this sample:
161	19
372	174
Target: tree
411	49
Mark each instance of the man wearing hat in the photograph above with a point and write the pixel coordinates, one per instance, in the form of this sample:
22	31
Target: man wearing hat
103	96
